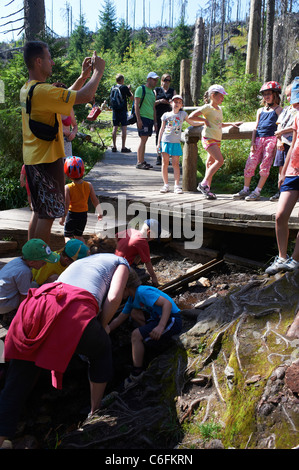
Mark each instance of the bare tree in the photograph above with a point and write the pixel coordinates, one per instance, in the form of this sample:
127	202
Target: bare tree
253	45
270	14
197	60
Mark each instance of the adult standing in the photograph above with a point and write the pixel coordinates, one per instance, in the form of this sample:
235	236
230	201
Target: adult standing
56	321
146	116
118	101
43	159
164	94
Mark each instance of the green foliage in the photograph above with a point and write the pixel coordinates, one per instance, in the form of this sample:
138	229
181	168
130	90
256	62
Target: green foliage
108	27
242	101
215	69
180	47
79	41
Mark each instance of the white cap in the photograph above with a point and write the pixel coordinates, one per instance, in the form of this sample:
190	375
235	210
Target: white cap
217	88
177	96
153	75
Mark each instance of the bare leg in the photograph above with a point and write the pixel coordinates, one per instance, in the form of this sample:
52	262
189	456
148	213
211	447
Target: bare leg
137	348
123	136
114	134
165	163
141	149
286	204
215	153
176	170
40	228
96	394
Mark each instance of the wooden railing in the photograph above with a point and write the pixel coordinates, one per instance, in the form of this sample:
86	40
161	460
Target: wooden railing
190	152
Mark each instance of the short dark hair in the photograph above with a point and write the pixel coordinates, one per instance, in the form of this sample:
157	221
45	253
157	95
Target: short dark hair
33	50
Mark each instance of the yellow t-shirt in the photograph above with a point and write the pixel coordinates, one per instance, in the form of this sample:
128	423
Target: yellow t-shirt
41	275
215	118
79	195
46	101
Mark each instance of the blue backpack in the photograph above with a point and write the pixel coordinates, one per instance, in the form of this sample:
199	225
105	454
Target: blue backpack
116	98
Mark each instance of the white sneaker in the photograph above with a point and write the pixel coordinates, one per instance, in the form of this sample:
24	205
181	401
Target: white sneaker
178	190
277	265
291	264
165	189
132	380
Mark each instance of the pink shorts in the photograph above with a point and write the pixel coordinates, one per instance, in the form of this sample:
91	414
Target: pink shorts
208	142
264	155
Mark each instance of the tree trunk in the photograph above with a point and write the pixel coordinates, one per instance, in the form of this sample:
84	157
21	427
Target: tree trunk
222	29
270	14
185	82
197	60
34	19
253	38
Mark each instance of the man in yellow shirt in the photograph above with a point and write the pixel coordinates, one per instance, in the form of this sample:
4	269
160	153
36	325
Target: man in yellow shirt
43	159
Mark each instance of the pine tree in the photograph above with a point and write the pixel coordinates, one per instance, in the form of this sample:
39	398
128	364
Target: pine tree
79	43
108	27
122	38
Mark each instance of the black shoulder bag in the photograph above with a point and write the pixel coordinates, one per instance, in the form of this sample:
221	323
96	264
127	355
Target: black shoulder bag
39	129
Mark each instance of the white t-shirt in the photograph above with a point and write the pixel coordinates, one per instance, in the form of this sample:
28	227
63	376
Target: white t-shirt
173	127
15	280
93	273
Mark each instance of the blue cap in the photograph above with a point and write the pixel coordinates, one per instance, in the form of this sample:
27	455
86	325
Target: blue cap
154	227
295	91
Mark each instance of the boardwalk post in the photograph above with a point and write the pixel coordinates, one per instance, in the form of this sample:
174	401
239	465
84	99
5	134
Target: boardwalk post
190	154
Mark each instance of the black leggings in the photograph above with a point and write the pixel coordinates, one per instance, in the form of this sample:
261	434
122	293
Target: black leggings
22	375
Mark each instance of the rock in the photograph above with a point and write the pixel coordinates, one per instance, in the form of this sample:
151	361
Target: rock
292	378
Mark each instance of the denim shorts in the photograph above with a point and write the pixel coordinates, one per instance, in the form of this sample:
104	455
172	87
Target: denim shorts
147	127
291	183
172	149
281	156
173	327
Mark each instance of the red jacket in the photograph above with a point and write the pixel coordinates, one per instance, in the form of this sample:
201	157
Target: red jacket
48	326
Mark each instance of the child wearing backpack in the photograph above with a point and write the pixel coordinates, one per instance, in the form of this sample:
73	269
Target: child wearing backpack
118	102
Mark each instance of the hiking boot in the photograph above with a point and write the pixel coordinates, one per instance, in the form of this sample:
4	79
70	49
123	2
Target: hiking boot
253	196
205	190
142	166
241	194
114	149
277	265
126	150
165	189
275	197
148	164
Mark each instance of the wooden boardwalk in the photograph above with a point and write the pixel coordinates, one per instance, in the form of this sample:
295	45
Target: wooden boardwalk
116	176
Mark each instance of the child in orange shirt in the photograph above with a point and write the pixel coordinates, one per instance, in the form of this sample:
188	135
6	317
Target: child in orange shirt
77	194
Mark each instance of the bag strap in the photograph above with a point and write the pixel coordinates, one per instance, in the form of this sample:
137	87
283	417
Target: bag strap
143	95
28	101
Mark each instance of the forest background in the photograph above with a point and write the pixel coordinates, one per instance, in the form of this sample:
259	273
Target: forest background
136	52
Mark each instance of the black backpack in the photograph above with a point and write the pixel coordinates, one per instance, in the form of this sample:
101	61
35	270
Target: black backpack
39	129
116	98
132	119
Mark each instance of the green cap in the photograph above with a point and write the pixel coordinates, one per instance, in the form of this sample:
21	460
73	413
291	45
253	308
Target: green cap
37	250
